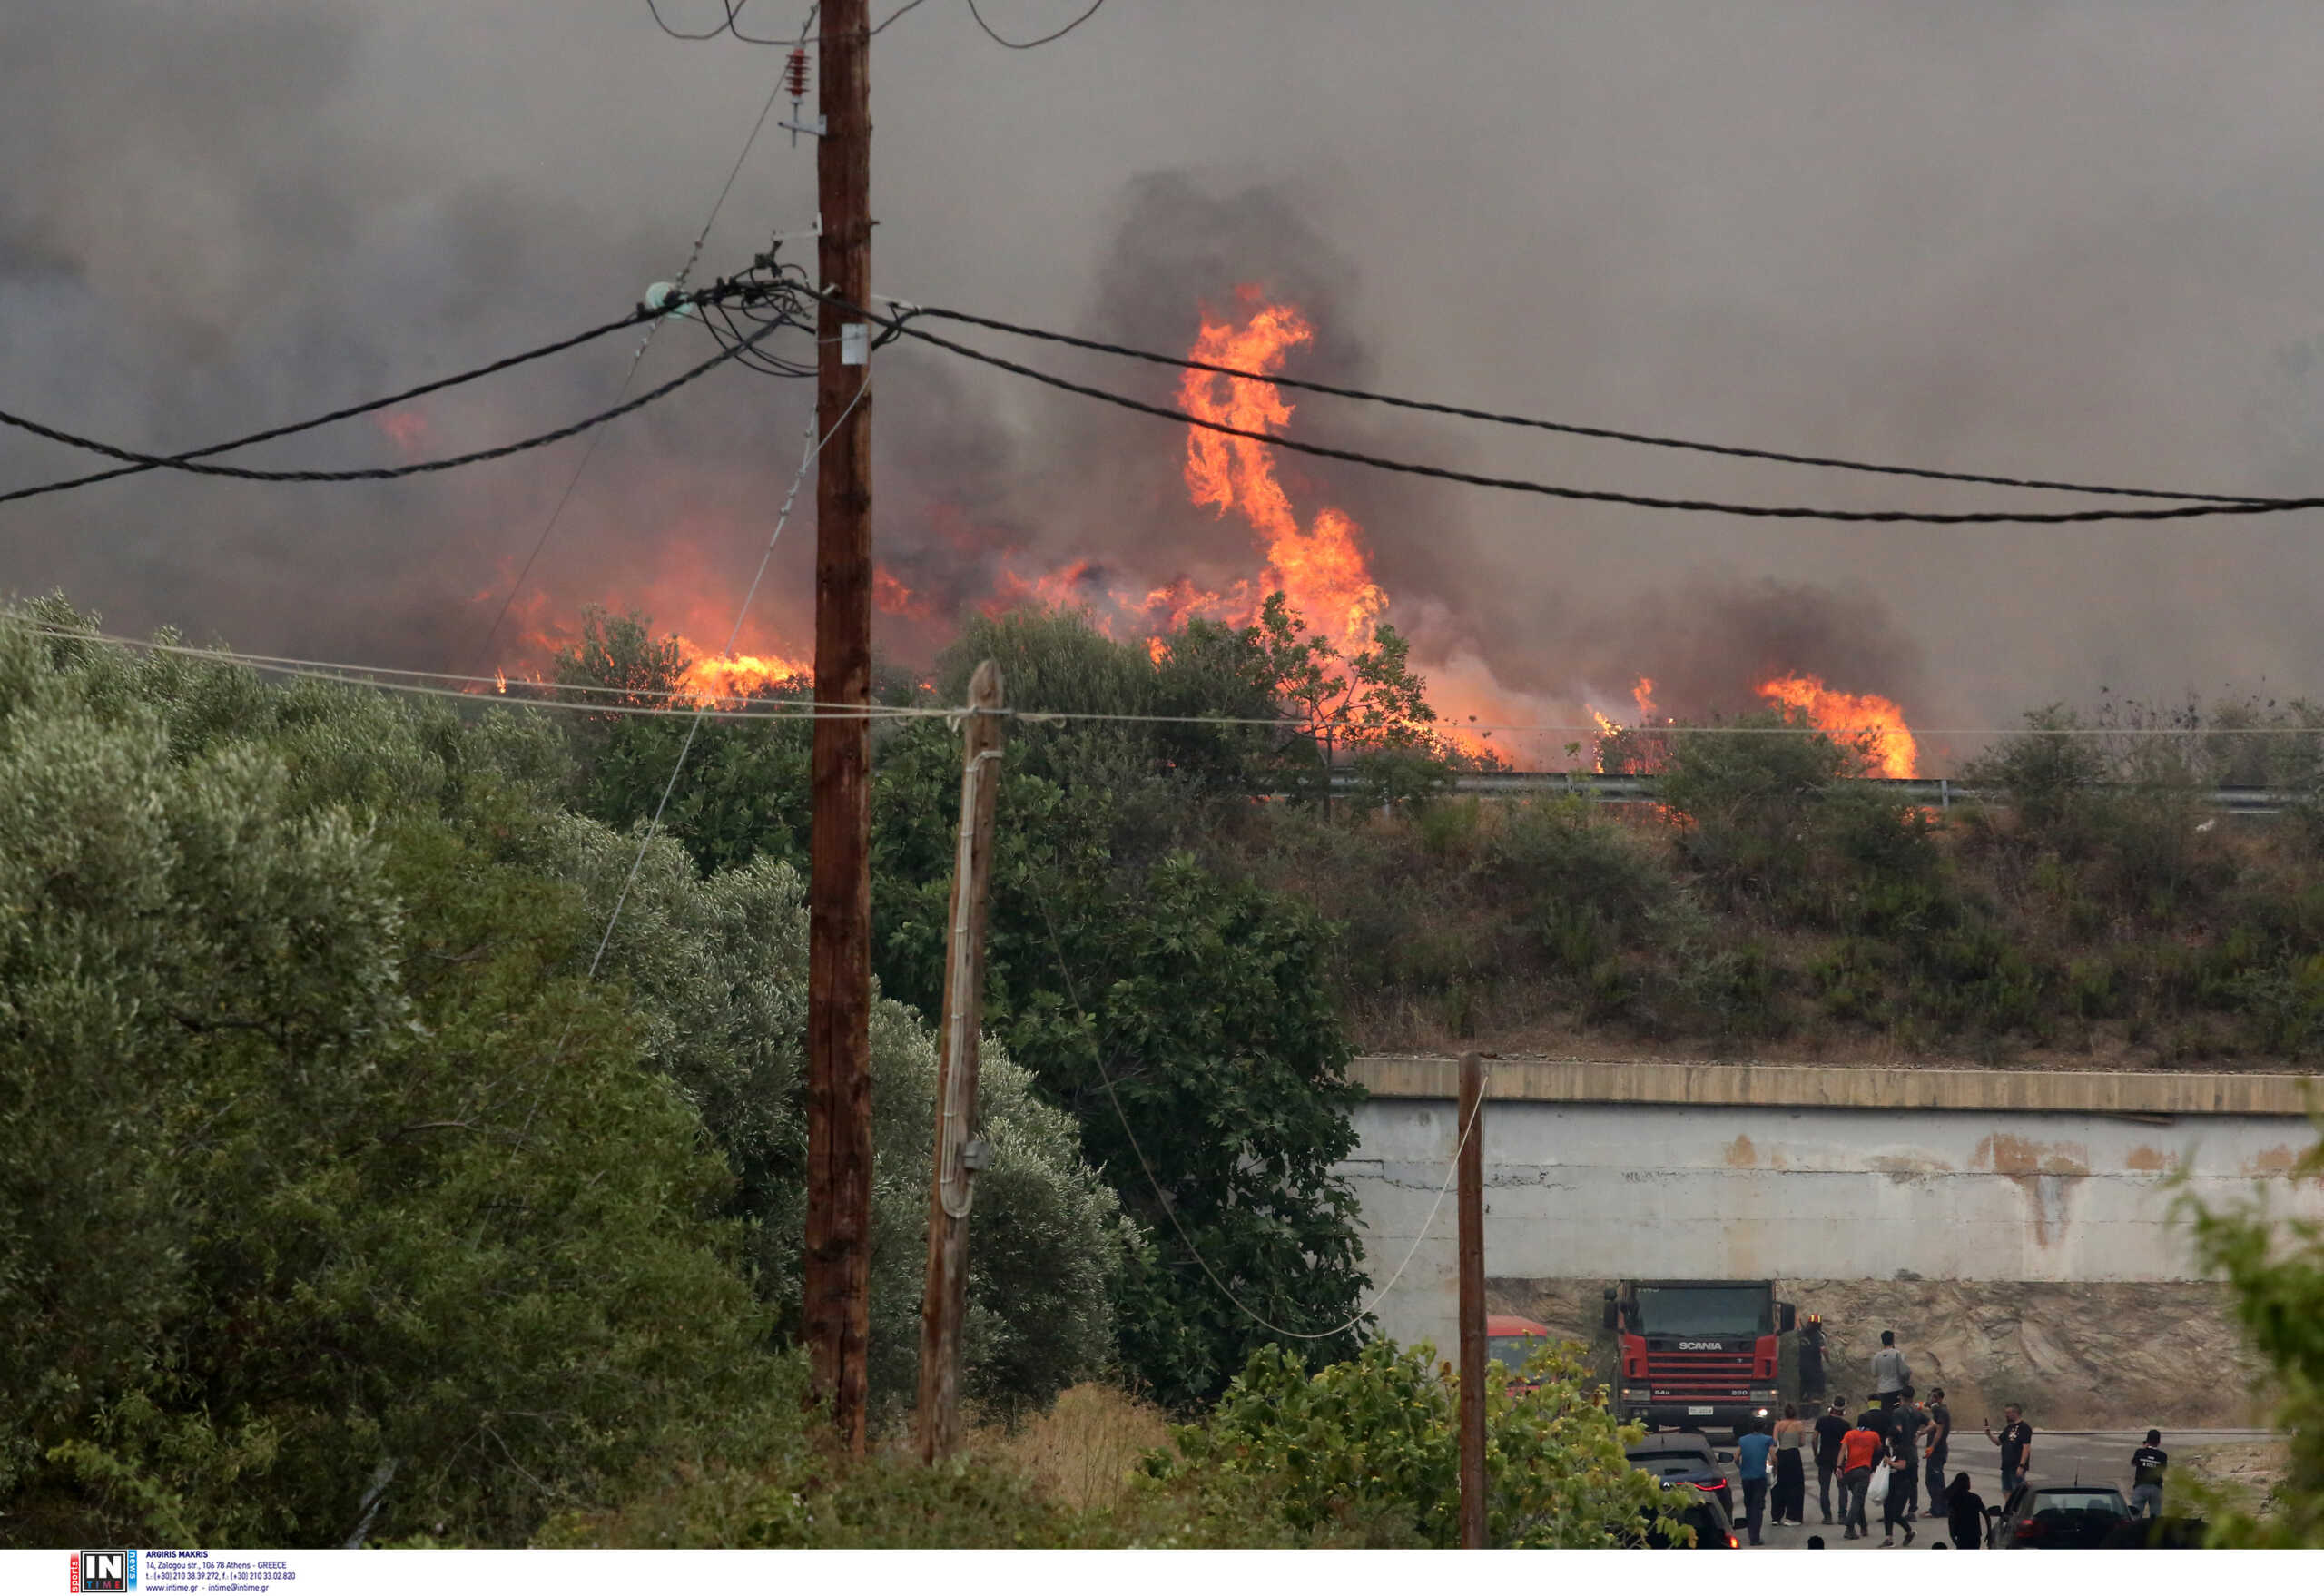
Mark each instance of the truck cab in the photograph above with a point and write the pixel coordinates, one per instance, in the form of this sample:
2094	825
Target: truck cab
1698	1354
1512	1342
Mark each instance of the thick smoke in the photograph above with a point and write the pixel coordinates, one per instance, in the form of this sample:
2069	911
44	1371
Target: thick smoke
2060	239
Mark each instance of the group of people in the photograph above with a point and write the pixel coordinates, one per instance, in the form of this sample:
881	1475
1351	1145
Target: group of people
1913	1440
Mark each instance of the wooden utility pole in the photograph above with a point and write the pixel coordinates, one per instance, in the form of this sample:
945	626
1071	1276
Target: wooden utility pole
838	1264
958	1156
1472	1211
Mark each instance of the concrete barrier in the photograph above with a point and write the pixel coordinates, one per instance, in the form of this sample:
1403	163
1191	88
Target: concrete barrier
1595	1170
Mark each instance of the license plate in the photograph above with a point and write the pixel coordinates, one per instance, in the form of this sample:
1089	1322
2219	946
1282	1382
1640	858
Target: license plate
1701	1412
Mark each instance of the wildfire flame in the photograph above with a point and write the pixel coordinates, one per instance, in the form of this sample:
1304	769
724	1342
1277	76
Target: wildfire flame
1322	570
720	678
1887	739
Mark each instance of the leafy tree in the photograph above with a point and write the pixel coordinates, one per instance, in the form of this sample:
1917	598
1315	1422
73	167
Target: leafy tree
745	793
1196	1043
1370	705
391	1202
296	1049
2276	1274
1371	1445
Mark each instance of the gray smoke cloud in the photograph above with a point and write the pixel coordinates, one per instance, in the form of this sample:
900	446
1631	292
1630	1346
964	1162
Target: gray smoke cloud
2061	239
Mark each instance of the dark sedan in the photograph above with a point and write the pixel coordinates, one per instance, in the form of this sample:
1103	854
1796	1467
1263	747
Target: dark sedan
1700	1512
2059	1516
1684	1458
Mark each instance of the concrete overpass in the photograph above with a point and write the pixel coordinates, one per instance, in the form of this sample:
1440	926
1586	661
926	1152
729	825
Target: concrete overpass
2016	1182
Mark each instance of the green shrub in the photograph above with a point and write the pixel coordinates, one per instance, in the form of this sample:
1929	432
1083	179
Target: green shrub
1369	1447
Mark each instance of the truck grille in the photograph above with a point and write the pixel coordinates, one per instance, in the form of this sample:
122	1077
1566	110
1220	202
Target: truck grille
1700	1373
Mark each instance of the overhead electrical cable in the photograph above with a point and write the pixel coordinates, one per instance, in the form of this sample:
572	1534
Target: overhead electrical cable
379	473
642	314
636	359
814	448
684	703
2232	507
1095	6
1570	428
732	26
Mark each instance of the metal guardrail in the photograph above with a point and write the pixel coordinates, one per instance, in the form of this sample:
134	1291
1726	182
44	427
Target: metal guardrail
1936	792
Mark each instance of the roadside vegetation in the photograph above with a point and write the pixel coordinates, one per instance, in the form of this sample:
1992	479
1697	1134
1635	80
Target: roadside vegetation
339	1202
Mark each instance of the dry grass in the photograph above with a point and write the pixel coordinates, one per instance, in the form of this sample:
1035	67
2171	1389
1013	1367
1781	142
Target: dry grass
1081	1454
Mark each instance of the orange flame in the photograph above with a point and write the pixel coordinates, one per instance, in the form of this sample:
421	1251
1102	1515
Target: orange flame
1322	570
715	678
1643	696
1887	739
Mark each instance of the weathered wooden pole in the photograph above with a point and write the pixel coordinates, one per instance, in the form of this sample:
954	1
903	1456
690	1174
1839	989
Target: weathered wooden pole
958	1156
1471	1209
837	1267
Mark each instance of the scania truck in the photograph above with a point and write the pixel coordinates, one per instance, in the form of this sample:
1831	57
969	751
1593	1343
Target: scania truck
1698	1354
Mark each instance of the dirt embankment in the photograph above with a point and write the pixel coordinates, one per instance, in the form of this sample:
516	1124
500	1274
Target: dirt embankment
2103	1356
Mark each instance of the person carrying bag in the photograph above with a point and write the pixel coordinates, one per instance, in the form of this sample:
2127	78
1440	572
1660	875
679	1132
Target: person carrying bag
1860	1449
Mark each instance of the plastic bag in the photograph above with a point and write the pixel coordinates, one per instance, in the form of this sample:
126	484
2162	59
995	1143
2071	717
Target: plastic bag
1876	1491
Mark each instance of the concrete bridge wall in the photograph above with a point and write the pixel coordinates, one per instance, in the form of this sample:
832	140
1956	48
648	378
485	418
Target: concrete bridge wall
1595	1170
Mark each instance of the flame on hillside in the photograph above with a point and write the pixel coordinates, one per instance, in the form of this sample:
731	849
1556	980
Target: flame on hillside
1320	562
1857	717
1322	569
713	678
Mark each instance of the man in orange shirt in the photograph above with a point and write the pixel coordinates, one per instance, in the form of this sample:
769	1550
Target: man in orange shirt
1860	1448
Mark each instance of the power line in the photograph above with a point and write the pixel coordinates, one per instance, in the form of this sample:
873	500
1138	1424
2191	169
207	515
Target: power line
1576	430
637	359
1030	44
348	412
806	461
377	473
353	674
680	704
732	26
2234	507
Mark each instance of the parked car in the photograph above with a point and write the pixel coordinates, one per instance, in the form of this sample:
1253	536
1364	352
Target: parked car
2182	1534
2059	1516
1704	1513
1681	1457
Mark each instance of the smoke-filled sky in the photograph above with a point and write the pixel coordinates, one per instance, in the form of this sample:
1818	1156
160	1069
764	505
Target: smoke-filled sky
2074	238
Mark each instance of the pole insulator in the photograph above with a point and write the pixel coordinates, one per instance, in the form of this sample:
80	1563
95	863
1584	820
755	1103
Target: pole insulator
794	74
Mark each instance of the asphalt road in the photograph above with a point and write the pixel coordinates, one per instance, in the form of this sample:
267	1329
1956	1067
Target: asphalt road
2060	1457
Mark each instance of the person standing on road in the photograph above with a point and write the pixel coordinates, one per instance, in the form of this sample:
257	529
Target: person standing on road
2147	1464
1889	1375
2017	1443
1788	1499
1828	1431
1938	1448
1897	1507
1964	1514
1751	1449
1859	1449
1905	1426
1811	1359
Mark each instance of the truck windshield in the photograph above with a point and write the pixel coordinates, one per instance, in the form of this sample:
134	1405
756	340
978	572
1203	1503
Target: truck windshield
1703	1310
1512	1352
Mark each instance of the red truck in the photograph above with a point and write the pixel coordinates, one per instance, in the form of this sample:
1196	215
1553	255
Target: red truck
1698	1354
1512	1342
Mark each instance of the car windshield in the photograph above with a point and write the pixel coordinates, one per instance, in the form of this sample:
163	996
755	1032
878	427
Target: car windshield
1703	1310
2101	1501
1512	1352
